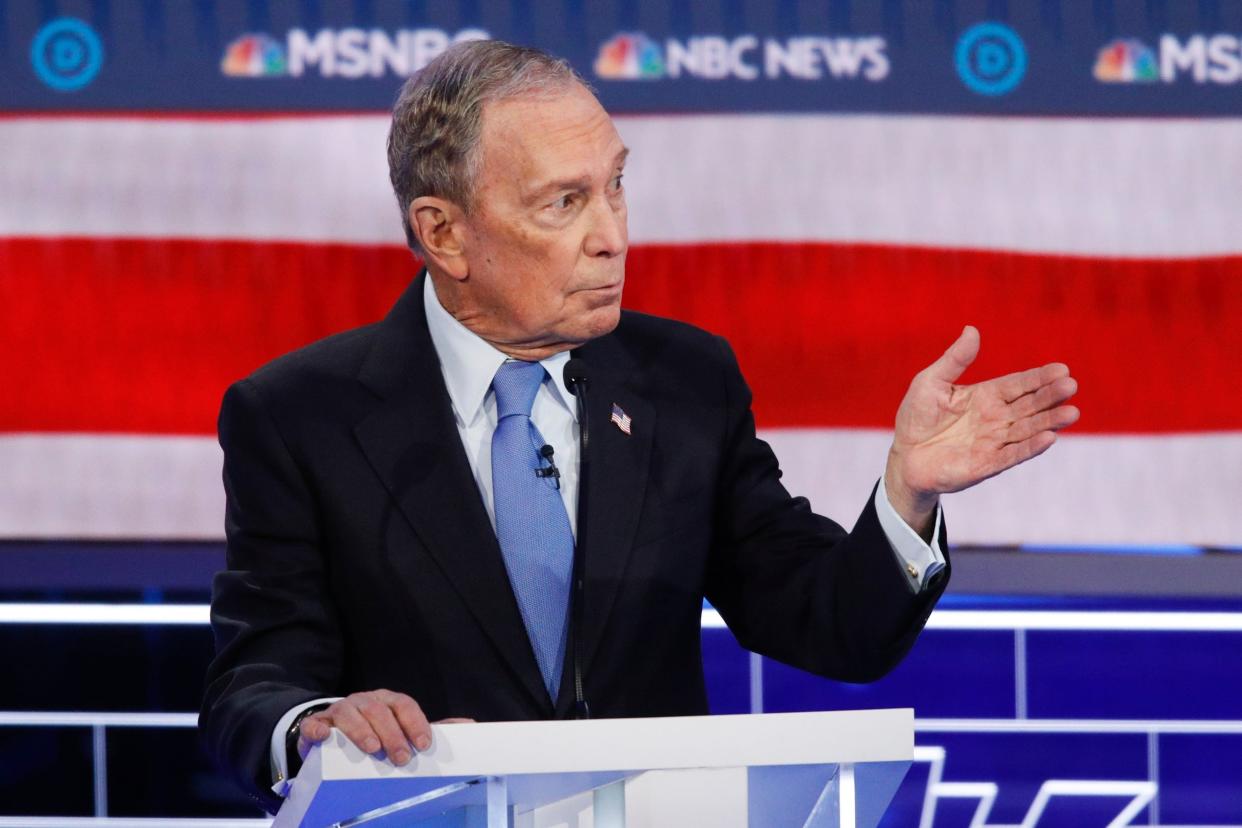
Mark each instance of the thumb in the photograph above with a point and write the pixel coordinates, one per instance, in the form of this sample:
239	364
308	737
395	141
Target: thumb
315	729
958	358
311	732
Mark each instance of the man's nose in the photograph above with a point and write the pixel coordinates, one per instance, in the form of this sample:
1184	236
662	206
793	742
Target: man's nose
608	235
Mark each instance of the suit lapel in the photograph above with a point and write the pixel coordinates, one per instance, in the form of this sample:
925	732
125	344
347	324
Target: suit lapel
410	439
618	480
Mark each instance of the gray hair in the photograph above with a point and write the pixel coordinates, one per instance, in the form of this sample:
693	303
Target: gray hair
437	120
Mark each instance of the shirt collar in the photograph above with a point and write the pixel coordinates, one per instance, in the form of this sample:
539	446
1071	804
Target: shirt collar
469	363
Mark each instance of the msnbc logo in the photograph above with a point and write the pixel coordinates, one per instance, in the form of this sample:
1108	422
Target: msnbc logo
254	56
339	53
629	56
1126	61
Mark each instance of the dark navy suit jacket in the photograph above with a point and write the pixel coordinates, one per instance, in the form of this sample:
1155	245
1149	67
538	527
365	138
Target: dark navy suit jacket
360	555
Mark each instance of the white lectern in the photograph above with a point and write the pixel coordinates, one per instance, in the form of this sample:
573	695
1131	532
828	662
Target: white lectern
837	769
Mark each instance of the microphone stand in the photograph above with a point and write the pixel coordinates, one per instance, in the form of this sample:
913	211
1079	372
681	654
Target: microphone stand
576	381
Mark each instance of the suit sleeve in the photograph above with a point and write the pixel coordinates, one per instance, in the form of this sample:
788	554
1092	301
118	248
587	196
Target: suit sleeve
794	585
277	636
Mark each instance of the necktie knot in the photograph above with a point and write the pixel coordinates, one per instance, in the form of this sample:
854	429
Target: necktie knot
516	384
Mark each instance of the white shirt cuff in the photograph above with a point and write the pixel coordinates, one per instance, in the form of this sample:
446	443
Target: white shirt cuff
280	762
919	560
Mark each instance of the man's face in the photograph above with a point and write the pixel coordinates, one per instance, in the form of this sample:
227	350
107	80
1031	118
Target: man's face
546	238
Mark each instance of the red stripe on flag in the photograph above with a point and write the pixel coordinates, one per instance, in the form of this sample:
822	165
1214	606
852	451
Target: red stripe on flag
144	335
832	334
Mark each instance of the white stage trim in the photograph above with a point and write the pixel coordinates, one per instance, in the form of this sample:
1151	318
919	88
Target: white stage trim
199	614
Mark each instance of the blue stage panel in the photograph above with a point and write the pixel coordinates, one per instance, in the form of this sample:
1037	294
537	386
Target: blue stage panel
949	813
141	760
1201	777
46	771
1020	763
1134	675
1074	811
907	804
726	667
105	667
948	674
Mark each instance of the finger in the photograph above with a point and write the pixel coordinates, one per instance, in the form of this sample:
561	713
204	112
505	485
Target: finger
1015	453
315	728
1052	420
350	721
1043	398
379	714
412	720
1014	386
958	358
455	720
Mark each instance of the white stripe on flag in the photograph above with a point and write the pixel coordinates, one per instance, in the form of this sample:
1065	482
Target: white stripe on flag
111	486
1105	187
1139	490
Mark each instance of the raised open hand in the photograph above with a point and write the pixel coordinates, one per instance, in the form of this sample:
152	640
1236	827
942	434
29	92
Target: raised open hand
949	437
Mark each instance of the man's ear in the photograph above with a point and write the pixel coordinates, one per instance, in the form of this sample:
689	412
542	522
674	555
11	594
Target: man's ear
439	226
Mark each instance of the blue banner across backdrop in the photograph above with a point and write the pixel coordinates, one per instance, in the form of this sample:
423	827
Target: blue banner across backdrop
1046	57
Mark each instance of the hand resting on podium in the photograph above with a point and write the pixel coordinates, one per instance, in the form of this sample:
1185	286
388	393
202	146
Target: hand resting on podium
376	721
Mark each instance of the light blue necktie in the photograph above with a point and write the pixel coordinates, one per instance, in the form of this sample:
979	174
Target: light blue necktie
531	524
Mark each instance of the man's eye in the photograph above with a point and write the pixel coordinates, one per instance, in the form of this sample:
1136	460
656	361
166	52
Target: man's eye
562	203
615	184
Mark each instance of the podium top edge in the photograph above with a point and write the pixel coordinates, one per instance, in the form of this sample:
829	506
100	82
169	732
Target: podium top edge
665	743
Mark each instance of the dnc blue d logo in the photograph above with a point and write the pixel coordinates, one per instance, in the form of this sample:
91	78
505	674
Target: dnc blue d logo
66	54
991	58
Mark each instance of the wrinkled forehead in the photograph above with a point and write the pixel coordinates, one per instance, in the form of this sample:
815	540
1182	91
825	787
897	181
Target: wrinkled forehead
549	133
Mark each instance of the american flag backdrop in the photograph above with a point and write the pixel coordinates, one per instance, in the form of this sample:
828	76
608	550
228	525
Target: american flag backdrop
151	254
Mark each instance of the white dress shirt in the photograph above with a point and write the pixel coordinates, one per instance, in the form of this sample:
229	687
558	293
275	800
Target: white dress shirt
469	364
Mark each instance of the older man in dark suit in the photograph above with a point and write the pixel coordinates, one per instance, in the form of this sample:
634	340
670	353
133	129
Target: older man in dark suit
403	499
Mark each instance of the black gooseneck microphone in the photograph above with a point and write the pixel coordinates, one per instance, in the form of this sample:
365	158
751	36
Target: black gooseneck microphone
576	381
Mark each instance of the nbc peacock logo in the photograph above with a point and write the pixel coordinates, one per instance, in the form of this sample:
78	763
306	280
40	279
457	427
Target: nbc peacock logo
1126	61
629	56
254	56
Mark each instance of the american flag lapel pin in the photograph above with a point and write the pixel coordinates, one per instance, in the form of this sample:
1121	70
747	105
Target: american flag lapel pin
620	419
